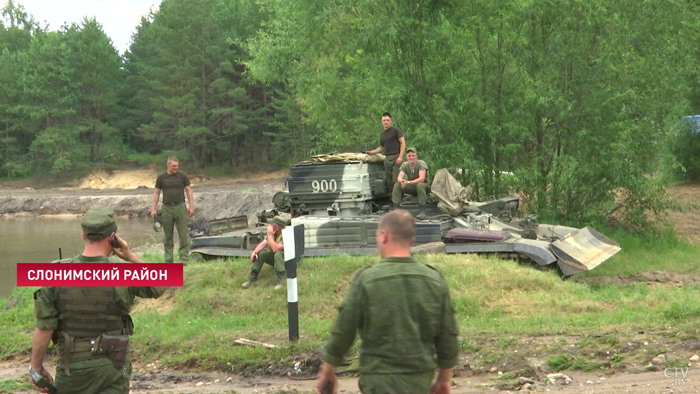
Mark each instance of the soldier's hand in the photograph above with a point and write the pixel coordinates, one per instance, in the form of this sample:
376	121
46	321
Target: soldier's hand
48	377
123	250
327	383
154	213
399	160
441	387
253	256
273	229
190	211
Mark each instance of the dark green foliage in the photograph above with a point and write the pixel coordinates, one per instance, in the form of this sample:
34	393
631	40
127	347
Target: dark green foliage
190	92
684	149
69	101
569	104
569	96
60	93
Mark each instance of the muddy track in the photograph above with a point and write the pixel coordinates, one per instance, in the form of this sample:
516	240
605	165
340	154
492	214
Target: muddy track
152	378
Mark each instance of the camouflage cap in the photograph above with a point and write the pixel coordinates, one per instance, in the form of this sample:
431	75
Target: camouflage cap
278	220
98	223
412	149
157	225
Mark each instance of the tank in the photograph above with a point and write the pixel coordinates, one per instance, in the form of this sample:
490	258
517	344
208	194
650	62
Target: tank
339	199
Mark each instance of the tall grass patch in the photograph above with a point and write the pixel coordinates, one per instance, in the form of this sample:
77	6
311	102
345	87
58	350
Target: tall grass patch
661	253
195	325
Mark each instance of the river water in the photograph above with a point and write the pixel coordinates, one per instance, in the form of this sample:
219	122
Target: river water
30	239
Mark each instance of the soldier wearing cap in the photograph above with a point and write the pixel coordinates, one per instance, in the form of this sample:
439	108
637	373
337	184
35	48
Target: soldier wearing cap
412	179
77	317
270	251
174	184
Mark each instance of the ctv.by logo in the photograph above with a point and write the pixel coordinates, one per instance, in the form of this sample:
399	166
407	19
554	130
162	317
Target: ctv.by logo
678	374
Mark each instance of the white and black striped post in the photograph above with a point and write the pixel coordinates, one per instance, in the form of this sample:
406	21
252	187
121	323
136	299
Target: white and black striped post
293	251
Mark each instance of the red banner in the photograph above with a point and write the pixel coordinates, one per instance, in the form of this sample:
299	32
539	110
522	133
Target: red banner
99	274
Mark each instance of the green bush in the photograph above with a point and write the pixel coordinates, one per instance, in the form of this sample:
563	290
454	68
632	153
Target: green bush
684	148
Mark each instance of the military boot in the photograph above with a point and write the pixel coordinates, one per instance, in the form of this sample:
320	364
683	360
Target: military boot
280	275
421	215
253	278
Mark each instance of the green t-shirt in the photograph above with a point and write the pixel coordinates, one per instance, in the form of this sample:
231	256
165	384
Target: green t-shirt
389	139
404	314
173	187
414	173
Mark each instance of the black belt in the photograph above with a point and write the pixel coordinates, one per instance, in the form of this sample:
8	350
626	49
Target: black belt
174	204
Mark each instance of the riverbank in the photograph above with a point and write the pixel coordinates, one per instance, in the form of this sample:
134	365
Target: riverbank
214	198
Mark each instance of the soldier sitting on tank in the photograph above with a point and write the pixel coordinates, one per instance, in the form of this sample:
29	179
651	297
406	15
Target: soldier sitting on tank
413	179
270	251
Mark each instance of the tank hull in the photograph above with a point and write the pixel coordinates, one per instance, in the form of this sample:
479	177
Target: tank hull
339	204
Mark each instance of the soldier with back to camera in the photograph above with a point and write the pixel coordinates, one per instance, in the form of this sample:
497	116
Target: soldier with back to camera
90	325
404	314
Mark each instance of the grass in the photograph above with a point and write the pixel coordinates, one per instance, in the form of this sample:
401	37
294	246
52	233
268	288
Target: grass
10	386
502	309
663	253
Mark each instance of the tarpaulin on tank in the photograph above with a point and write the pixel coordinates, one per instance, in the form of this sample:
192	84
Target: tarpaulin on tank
451	194
347	157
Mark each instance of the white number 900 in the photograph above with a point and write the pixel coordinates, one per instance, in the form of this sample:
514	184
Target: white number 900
324	186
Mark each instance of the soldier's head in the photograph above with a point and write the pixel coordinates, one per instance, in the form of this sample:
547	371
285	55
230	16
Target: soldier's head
412	155
98	224
278	223
172	165
396	230
386	120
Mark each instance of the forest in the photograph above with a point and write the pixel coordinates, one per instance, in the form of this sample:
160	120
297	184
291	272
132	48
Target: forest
575	105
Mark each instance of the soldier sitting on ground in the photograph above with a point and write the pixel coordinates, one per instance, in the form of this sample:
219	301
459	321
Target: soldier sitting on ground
270	251
416	181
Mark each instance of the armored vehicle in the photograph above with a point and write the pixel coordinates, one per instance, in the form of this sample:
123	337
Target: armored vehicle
339	198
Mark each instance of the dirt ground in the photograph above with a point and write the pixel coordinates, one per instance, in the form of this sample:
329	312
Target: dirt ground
129	193
152	379
687	222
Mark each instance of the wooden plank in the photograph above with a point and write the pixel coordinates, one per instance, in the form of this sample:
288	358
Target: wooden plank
248	342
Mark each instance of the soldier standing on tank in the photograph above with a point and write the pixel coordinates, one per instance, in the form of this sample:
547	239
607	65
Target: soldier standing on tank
174	184
413	179
393	144
82	316
270	251
404	314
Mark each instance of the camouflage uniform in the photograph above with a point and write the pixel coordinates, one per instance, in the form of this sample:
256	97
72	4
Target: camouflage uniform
404	314
267	255
82	371
275	259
